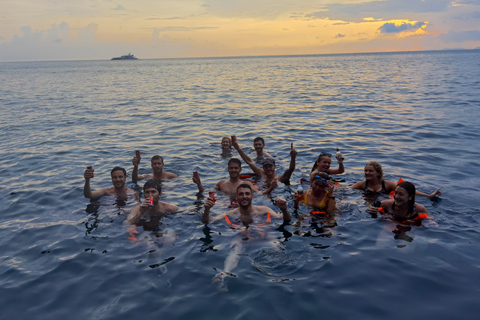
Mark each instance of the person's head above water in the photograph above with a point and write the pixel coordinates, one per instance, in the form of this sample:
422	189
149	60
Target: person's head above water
405	195
153	184
118	169
375	168
258	144
157	163
226	143
323	162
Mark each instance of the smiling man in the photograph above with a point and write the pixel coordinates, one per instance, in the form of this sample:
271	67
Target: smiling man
267	171
157	166
154	210
229	186
251	223
119	176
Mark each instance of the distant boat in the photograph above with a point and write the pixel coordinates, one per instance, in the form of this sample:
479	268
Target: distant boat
126	57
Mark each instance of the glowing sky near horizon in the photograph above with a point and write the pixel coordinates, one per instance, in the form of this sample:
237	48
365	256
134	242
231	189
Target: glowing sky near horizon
100	29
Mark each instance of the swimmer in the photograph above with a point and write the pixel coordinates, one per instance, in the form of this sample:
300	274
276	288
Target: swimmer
228	186
246	215
323	162
148	215
226	145
258	145
320	197
268	168
119	177
157	166
402	208
374	184
151	188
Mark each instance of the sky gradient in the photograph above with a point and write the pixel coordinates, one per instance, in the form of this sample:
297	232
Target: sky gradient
38	30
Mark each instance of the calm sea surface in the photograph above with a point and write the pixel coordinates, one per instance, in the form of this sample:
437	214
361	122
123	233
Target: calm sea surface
62	257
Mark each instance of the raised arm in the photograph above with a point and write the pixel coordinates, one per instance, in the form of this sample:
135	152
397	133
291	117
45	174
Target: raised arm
282	204
341	168
288	173
135	162
209	203
87	190
197	181
258	171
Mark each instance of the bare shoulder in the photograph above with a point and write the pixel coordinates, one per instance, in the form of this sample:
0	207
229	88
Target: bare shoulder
390	185
260	210
168	207
170	175
358	185
420	208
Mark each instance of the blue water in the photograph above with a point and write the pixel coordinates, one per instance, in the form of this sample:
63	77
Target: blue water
62	257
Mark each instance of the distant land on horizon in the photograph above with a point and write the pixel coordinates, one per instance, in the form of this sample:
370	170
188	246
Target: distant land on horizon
256	56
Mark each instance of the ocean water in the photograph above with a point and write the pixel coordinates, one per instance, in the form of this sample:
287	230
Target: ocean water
62	257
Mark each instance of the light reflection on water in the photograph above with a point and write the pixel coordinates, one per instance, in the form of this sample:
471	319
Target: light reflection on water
414	113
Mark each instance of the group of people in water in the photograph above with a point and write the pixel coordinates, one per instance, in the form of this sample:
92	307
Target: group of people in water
398	198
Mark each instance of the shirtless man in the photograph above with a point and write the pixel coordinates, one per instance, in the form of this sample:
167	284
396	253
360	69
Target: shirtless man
157	166
152	214
119	177
228	186
268	170
244	215
151	188
258	145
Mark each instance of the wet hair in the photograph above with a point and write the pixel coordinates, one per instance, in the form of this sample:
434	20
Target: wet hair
235	160
244	185
259	139
410	188
229	140
117	169
156	157
377	168
152	184
318	159
324	175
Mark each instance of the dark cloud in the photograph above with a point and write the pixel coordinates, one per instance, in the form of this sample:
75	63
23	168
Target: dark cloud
340	36
461	36
390	27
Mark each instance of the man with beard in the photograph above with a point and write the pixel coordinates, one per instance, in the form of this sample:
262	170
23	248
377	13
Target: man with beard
119	176
248	219
268	167
230	185
157	166
258	145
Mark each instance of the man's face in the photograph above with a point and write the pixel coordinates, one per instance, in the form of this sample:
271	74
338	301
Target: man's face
118	179
234	170
244	197
152	192
269	169
157	165
258	145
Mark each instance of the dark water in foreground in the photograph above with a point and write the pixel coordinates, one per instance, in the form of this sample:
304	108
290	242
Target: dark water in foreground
415	113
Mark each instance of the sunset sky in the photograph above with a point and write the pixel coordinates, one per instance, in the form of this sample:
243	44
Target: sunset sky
37	30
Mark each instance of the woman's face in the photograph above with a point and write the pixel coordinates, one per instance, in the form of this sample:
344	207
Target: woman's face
226	143
401	196
370	172
323	164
